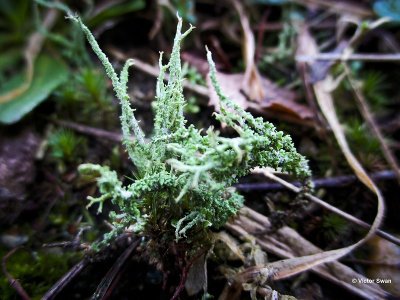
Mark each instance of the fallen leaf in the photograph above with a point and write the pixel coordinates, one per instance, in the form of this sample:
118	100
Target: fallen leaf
276	99
252	84
197	276
231	243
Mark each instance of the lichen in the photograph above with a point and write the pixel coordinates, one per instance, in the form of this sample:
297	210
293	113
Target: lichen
184	177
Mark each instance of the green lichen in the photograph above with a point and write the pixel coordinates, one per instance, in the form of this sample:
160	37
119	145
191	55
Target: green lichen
184	175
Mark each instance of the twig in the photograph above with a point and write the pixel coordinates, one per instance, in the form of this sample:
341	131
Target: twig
341	57
331	182
65	280
13	282
92	131
287	243
114	271
333	209
366	113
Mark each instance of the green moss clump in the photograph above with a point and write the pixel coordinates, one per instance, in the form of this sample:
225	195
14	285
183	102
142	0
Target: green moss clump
37	272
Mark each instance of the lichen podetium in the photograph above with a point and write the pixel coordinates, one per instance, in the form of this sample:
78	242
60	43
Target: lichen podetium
184	178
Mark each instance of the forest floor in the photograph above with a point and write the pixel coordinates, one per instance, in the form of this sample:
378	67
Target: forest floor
325	72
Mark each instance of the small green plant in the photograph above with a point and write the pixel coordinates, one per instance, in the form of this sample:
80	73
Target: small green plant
86	94
183	176
66	146
374	87
360	137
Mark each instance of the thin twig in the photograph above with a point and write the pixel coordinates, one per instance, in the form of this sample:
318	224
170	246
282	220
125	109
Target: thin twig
331	182
114	271
331	208
13	282
340	57
92	131
65	280
288	243
366	113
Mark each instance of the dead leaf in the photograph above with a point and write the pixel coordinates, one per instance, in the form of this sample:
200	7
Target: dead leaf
197	276
231	243
276	100
252	84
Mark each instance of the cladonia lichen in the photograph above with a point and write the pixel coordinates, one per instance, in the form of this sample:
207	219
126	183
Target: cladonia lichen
183	183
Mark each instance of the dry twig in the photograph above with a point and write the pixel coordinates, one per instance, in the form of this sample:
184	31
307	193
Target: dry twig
105	284
331	208
13	282
366	113
287	243
65	280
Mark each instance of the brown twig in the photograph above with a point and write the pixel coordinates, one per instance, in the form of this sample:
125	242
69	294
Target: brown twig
333	209
13	282
65	280
373	263
339	7
260	34
105	284
92	131
287	243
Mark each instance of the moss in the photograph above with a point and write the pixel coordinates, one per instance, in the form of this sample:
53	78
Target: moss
35	271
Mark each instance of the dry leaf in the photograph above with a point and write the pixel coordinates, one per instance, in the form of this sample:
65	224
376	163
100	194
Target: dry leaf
231	243
197	276
252	84
277	99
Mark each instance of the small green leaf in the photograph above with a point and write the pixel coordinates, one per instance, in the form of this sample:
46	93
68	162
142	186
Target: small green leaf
49	74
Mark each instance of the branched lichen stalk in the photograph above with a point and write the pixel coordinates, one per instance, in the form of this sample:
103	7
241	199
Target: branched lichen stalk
128	119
